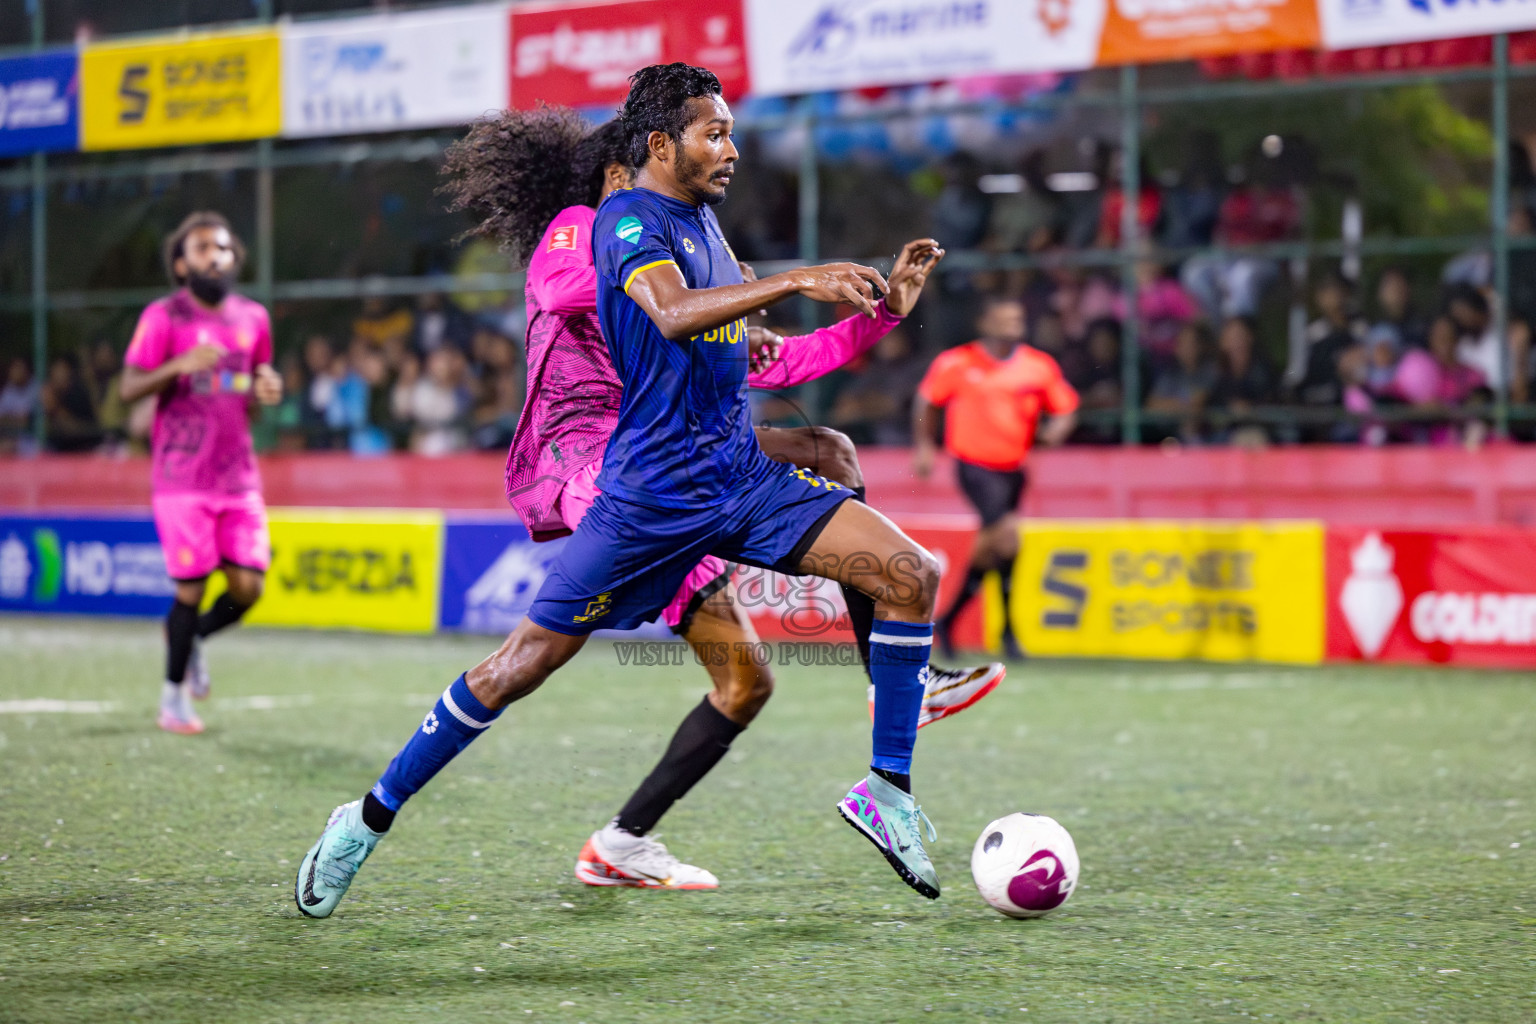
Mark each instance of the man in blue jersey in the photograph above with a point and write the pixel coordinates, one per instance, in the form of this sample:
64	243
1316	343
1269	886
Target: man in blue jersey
684	477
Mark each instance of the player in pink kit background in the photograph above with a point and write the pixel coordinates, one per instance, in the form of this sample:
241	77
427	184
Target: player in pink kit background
206	352
520	171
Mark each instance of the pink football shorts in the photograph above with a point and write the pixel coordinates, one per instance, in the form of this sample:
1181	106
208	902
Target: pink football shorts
200	531
578	495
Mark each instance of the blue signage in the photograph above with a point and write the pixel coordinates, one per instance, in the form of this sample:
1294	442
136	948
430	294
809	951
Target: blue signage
40	103
492	572
108	565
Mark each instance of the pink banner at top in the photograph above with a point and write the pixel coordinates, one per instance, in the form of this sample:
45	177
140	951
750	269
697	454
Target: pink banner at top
583	54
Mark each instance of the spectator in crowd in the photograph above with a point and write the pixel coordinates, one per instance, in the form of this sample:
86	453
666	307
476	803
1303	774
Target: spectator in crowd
439	322
1149	205
106	370
1253	213
381	326
500	402
325	373
1181	389
1244	381
1337	329
434	405
1193	205
1370	371
1437	380
68	415
961	210
18	404
281	427
1097	378
1479	344
876	406
1162	304
1394	304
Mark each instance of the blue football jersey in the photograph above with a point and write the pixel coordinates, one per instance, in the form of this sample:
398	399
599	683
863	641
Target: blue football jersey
685	427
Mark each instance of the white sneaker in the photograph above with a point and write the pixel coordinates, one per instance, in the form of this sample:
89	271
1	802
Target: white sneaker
615	857
952	690
197	673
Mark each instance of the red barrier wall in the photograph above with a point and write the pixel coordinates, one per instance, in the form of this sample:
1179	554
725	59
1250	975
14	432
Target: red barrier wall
1401	486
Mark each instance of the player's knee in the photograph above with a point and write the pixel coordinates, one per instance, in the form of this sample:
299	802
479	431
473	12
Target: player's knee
745	693
520	666
925	578
190	592
246	589
838	459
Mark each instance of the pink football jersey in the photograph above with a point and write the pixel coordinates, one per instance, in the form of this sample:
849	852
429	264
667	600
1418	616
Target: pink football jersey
202	438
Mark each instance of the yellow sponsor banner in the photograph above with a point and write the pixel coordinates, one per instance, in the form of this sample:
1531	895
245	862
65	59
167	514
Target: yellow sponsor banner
167	92
1171	590
376	569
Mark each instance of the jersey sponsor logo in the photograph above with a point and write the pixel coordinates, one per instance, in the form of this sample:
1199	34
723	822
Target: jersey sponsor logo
565	237
729	334
629	229
688	244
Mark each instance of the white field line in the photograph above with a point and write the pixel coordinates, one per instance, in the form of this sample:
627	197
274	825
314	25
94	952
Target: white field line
47	706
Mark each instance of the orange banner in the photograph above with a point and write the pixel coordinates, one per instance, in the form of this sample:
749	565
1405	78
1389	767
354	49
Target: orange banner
1145	31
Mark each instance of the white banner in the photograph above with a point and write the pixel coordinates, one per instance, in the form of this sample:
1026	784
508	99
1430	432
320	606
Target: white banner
1353	23
390	72
798	46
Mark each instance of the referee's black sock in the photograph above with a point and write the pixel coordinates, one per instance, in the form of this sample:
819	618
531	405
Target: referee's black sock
697	746
968	588
861	608
180	629
225	612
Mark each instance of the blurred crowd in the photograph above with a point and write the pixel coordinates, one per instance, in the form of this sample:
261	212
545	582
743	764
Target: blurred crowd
1233	345
418	376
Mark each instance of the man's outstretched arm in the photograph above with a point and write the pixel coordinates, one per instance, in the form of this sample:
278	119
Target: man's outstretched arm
680	312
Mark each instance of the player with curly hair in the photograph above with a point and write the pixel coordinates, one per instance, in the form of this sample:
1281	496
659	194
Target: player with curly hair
672	475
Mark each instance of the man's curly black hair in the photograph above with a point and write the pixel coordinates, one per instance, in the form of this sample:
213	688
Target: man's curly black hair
518	169
658	102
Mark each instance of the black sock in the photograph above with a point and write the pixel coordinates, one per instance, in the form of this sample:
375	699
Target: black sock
861	609
968	588
225	612
375	815
180	628
900	780
697	746
1005	575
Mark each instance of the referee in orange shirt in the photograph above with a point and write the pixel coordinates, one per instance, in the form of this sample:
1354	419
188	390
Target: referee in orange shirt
994	391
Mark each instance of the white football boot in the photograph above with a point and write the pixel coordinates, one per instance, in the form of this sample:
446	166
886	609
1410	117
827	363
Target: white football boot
616	857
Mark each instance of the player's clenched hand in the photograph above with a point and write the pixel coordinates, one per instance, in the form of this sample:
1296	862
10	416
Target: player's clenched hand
763	347
917	260
199	358
842	282
268	386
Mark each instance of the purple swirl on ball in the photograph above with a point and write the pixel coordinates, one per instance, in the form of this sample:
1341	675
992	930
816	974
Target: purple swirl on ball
1039	884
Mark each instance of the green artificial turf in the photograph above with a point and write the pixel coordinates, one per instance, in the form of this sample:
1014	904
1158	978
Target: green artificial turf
1257	843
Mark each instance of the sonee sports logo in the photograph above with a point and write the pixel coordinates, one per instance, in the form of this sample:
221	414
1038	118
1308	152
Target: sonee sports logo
429	724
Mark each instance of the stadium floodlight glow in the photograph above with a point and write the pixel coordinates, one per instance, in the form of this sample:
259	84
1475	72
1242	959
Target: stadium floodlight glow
1001	184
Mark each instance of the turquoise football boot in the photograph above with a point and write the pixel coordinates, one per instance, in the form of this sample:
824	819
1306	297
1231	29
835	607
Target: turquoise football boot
326	871
892	821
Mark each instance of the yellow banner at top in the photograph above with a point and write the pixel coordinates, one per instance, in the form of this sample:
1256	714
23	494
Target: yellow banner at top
170	92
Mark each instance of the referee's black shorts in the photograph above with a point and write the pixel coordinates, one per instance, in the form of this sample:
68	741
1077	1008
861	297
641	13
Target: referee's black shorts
994	492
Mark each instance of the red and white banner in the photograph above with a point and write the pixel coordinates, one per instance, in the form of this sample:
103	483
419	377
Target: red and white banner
582	55
1461	596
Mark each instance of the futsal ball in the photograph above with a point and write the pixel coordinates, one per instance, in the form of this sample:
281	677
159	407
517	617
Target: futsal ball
1025	865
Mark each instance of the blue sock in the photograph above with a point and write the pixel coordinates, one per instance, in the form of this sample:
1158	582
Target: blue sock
898	664
453	722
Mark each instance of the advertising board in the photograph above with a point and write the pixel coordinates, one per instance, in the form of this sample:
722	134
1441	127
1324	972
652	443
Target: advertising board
39	103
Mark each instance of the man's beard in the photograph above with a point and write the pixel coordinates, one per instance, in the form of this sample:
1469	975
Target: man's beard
209	288
689	171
